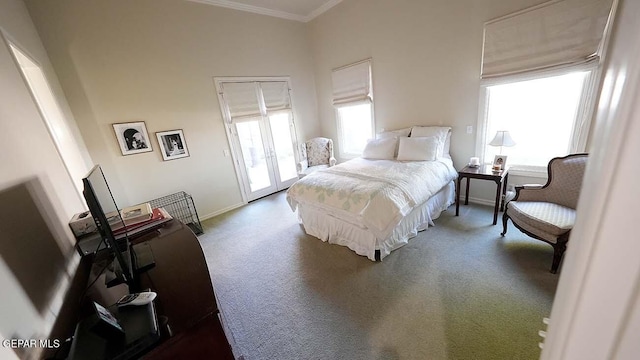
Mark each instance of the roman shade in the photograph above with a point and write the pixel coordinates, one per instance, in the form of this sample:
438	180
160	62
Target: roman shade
352	83
551	35
243	101
276	95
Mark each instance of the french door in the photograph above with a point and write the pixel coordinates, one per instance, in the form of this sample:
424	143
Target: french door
260	126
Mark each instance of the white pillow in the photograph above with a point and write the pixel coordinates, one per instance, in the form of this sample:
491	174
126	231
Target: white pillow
447	146
380	149
418	148
394	133
439	131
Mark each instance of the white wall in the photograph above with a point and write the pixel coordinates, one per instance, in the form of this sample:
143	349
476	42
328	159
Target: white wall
426	63
154	61
29	154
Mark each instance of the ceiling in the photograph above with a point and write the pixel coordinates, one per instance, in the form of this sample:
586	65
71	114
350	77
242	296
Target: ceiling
298	10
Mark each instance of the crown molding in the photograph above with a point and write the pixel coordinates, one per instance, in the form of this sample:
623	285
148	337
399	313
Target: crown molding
322	9
268	12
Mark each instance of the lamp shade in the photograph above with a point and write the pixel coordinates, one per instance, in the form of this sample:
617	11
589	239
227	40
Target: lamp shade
502	138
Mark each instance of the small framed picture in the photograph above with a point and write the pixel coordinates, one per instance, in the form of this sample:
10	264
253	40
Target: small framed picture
172	144
499	162
132	137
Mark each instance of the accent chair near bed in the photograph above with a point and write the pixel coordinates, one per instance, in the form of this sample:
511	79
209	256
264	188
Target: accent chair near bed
315	154
548	213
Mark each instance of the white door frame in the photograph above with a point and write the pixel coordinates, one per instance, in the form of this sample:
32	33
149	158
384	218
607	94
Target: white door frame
596	312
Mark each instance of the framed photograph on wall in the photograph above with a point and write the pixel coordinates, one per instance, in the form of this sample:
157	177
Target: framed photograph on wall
132	137
172	144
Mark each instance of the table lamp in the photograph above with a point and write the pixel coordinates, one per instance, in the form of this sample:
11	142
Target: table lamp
501	139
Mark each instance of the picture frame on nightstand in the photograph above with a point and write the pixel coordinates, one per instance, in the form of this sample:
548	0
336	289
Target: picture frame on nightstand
499	162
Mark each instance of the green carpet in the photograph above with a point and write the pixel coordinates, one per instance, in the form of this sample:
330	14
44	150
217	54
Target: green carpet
456	291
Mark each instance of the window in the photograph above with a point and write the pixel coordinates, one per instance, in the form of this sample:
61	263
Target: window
539	80
353	100
543	116
354	128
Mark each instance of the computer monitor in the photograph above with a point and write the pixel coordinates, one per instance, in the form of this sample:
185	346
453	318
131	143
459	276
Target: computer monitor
105	212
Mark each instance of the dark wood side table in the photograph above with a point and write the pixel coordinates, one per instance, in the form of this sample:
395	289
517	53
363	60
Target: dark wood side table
484	172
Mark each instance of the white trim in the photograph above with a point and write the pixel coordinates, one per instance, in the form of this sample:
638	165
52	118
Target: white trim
481	125
523	11
253	9
80	163
250	78
222	211
531	171
475	200
369	60
583	117
234	146
322	9
592	315
270	12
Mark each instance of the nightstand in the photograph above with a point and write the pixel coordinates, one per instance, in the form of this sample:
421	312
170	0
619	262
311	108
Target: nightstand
484	172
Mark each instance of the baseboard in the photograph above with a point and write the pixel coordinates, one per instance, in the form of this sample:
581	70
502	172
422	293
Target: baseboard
478	201
222	211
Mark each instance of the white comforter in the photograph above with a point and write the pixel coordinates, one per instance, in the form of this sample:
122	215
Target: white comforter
372	193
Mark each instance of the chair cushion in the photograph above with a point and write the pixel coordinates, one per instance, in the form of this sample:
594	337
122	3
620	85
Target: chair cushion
549	218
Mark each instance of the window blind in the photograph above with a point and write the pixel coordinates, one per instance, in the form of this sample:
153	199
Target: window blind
553	34
241	99
352	83
276	95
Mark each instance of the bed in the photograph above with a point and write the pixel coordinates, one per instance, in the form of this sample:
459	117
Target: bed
375	204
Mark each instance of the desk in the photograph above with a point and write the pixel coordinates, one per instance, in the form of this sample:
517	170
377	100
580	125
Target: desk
185	294
180	277
484	172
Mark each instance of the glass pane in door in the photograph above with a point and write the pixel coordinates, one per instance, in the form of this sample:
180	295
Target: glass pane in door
253	154
283	145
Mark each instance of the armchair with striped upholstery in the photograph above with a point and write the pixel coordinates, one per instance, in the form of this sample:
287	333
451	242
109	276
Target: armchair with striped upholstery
548	213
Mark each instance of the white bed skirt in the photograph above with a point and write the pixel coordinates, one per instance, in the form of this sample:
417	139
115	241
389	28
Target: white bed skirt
356	237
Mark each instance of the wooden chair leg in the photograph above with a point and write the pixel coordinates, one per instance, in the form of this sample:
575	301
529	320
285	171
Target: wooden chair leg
558	252
505	218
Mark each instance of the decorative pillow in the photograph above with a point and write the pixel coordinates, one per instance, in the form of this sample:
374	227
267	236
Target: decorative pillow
418	148
439	131
394	133
380	148
318	152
